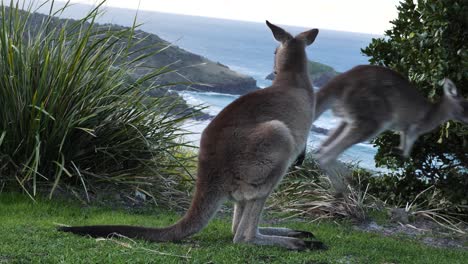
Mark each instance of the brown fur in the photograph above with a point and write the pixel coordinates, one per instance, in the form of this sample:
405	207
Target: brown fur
372	99
244	152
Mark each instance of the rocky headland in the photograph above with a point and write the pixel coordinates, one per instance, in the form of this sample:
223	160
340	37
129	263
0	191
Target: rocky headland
183	70
319	73
191	71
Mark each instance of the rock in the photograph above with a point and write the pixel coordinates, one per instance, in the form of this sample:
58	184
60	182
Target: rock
270	76
319	73
399	215
139	195
319	130
203	116
323	78
189	71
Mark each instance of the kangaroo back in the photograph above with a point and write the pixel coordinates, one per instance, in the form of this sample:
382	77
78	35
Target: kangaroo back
378	89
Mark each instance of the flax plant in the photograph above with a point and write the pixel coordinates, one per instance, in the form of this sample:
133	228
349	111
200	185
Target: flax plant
72	111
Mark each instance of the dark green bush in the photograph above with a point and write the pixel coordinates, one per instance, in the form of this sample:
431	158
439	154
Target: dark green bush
428	41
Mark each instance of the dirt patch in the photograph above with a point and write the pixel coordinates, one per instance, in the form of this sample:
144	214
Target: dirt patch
422	230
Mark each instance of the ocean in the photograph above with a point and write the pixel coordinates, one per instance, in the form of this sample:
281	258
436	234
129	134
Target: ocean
246	47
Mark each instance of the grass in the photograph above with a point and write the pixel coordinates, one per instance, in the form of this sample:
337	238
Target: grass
28	236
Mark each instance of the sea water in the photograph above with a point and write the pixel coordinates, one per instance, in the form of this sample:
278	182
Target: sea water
246	47
361	154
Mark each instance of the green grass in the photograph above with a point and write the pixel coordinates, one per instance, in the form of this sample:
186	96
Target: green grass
28	235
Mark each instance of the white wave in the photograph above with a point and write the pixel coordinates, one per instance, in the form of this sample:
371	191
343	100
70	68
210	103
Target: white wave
195	128
193	100
366	145
327	120
233	96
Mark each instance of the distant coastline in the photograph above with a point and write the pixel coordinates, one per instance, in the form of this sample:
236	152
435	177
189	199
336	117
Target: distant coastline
319	73
247	49
185	70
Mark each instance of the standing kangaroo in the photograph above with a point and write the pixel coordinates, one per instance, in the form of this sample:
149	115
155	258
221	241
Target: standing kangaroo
372	99
244	152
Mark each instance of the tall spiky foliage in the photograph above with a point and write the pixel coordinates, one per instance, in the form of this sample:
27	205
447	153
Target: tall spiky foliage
69	113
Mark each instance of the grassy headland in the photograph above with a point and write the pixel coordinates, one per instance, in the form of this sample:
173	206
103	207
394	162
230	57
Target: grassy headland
28	235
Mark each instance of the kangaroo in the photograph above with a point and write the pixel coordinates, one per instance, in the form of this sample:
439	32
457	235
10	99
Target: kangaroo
244	152
372	99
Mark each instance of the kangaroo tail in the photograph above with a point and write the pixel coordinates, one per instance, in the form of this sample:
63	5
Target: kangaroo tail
203	208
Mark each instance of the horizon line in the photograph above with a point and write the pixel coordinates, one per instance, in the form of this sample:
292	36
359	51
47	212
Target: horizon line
213	17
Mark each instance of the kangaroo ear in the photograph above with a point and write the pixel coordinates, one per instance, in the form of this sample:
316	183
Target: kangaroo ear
280	34
450	89
308	36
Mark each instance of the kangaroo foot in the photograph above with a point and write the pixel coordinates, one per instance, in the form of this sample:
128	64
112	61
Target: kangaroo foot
315	245
289	243
302	245
286	232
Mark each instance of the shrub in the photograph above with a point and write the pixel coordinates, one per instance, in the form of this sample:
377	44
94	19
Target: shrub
427	43
71	114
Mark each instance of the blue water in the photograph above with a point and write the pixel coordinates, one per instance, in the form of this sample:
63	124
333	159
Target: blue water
361	154
248	48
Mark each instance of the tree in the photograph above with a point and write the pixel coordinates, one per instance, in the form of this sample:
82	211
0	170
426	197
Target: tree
427	42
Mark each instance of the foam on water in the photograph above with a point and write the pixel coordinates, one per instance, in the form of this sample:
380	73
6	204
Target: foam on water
327	120
214	102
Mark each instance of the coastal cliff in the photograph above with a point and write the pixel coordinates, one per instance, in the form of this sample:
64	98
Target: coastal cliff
189	71
319	73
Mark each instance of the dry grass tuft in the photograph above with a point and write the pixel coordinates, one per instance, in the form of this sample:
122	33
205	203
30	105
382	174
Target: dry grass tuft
433	208
307	192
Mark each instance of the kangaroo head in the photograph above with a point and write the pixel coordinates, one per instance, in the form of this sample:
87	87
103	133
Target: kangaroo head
291	55
456	105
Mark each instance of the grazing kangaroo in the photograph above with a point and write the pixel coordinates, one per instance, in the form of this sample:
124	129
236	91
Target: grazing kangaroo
244	152
372	99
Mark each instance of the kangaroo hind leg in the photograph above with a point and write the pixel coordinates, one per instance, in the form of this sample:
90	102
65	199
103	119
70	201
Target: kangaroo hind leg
351	134
336	132
248	232
270	231
238	210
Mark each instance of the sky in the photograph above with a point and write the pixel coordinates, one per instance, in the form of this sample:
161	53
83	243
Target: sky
367	16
